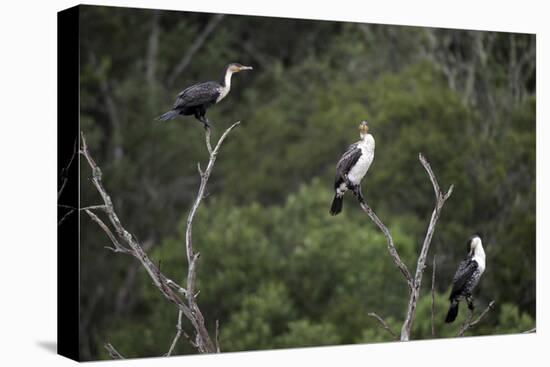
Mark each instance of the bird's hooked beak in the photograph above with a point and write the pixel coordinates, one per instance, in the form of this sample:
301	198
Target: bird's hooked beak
245	68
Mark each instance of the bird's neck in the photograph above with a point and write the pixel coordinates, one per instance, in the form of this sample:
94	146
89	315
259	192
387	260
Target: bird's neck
226	80
367	139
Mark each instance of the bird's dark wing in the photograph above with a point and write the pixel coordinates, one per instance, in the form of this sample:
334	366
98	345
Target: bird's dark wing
197	95
465	270
349	158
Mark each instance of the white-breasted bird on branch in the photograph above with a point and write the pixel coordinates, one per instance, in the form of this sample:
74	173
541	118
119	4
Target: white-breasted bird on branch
467	277
196	99
352	167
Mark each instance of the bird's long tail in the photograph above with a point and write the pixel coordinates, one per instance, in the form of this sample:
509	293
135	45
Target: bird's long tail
453	311
337	204
168	115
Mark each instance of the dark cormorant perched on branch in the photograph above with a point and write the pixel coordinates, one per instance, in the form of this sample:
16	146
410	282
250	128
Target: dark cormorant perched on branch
196	99
352	167
466	277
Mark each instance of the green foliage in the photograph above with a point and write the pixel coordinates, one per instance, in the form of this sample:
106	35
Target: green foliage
276	269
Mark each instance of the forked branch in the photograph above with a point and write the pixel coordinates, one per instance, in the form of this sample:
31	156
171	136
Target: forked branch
413	283
124	242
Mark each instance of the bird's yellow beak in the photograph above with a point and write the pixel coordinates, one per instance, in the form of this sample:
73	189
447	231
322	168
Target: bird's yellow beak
245	68
363	127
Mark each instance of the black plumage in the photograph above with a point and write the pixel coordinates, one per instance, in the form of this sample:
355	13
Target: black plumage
196	99
344	165
466	278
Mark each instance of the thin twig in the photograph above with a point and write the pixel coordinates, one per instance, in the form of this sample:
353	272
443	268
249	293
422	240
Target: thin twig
178	334
72	209
113	352
533	330
389	240
469	323
384	325
118	247
433	297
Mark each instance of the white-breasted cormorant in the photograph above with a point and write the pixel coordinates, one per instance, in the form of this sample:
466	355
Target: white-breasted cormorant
196	99
466	277
352	167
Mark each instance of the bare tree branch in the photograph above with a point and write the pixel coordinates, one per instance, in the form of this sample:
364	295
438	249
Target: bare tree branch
533	330
178	334
118	247
440	199
124	241
197	44
413	283
469	323
384	325
113	352
433	297
391	248
193	257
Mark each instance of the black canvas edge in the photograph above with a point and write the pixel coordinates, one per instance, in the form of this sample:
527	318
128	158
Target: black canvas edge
68	244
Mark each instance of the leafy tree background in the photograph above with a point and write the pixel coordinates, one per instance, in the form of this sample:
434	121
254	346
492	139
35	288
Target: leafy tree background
276	269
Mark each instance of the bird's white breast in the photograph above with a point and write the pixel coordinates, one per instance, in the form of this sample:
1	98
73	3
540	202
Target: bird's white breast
359	170
479	257
480	263
223	92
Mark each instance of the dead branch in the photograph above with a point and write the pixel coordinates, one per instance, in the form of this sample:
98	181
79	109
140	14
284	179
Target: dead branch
440	199
384	325
389	240
469	323
178	334
433	297
123	241
193	257
113	352
413	283
197	44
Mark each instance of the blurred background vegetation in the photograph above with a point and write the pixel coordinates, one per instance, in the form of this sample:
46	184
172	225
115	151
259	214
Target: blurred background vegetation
276	269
